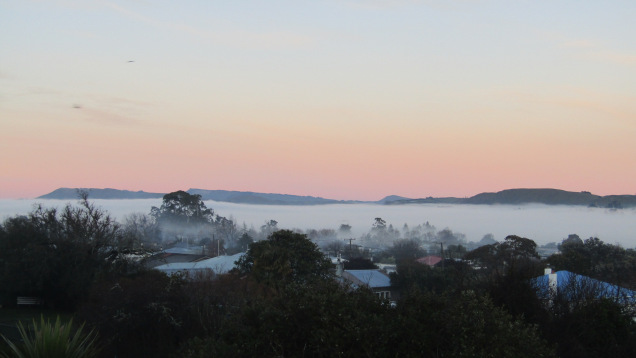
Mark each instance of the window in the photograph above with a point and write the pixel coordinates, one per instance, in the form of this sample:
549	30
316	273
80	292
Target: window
383	295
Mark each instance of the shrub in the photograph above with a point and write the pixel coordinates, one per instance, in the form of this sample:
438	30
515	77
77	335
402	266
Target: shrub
52	341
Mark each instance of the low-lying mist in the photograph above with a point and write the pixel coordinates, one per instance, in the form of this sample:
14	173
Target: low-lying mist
541	223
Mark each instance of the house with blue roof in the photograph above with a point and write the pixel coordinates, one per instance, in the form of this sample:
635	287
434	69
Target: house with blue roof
573	288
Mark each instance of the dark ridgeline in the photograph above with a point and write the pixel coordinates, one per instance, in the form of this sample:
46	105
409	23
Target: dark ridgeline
505	197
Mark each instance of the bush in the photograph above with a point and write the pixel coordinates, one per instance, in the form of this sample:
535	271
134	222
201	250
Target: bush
52	341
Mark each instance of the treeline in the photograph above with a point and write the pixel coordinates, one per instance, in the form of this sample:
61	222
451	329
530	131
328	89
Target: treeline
283	300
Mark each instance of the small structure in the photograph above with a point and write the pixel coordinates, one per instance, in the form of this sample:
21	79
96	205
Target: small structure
376	280
217	265
28	301
176	254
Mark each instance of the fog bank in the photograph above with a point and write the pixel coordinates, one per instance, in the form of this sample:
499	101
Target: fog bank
540	223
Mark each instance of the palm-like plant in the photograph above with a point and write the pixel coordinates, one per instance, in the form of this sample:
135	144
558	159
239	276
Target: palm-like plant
52	341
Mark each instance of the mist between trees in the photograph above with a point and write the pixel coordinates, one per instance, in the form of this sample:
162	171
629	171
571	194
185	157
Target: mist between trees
283	298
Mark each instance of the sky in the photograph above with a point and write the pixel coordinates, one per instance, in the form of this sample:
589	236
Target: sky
333	98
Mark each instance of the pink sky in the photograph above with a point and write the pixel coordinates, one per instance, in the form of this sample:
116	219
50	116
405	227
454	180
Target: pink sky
351	100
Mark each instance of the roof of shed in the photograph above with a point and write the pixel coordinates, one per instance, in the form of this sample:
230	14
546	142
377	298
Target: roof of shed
371	278
219	264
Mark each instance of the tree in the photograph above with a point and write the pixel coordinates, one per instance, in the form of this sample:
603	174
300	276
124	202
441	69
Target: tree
488	239
268	228
141	231
379	224
600	328
455	251
359	263
241	245
344	229
180	208
285	257
572	239
512	254
58	255
226	230
334	247
448	237
406	249
185	216
320	320
463	325
138	315
517	249
594	258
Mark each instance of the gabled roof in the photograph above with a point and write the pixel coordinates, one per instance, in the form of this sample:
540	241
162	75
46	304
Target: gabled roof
370	278
219	264
429	260
575	285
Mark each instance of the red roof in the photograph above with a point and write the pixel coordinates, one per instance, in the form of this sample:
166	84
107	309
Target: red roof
429	260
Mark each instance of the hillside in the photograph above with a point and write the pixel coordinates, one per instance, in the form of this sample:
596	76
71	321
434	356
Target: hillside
248	197
72	193
537	196
505	197
239	197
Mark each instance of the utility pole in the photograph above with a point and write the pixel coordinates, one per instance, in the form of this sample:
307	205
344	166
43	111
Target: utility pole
349	243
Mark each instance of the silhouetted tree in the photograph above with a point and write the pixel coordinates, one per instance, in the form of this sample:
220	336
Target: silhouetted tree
406	250
359	263
596	259
285	257
180	208
462	325
57	256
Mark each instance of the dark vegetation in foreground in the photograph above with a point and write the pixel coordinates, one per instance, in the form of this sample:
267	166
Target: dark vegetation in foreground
283	300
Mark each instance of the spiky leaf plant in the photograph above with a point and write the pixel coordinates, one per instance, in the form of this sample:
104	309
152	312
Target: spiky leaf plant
56	340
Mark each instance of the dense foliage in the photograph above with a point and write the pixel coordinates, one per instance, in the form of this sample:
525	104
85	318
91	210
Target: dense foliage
57	256
285	257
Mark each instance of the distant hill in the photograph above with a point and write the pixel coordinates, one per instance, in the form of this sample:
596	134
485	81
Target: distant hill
428	200
507	197
392	198
239	197
538	196
72	193
248	197
542	196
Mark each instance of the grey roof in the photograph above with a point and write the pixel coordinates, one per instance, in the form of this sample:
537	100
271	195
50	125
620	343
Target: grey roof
219	264
371	278
192	250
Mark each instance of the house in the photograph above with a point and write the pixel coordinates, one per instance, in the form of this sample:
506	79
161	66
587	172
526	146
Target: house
217	265
374	279
574	287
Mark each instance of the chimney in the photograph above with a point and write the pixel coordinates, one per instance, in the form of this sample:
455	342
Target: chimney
552	280
339	267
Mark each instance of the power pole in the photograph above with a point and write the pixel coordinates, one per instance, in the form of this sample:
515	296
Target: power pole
349	243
